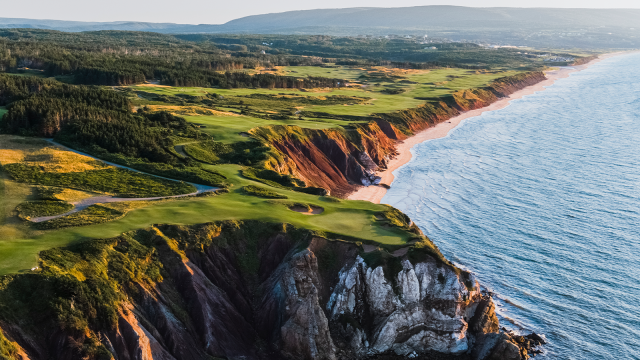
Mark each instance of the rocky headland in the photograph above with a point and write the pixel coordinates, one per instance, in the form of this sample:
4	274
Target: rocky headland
250	290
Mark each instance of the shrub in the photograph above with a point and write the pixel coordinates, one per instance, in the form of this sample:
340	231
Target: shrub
262	192
32	209
275	179
94	214
112	180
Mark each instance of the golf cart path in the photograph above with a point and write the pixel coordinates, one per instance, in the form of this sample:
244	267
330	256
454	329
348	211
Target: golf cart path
101	199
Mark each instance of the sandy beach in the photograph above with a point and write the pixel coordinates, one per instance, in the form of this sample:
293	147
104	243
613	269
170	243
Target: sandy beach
376	193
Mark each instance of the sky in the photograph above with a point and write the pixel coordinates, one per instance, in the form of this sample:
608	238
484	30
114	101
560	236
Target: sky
221	11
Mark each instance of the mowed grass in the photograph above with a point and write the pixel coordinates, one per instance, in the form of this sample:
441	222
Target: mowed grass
11	195
351	219
331	71
20	245
417	85
228	129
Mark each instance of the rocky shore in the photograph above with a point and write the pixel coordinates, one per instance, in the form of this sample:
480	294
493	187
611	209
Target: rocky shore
250	290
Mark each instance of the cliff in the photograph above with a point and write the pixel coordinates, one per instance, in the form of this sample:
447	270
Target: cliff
340	160
247	290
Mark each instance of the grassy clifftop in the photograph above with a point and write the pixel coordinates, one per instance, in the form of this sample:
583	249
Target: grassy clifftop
330	151
81	292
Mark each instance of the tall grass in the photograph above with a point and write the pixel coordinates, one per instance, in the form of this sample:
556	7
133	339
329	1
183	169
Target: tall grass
117	181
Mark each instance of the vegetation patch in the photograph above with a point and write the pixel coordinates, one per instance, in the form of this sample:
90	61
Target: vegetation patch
79	289
275	179
310	100
208	151
94	214
60	194
33	209
38	152
112	180
193	173
8	350
393	91
262	192
397	218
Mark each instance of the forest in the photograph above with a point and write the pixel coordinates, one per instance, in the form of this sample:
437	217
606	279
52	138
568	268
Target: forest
117	58
124	58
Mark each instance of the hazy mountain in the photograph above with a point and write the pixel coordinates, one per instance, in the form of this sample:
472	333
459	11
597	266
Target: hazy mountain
517	26
445	17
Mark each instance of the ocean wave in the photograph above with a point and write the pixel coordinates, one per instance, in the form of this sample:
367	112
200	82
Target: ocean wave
541	199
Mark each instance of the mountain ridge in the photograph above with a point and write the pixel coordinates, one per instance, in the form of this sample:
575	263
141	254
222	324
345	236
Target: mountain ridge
400	17
536	27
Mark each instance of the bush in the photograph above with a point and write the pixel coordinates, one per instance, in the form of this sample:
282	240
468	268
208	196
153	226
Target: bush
112	180
193	173
262	192
278	180
392	91
94	214
33	209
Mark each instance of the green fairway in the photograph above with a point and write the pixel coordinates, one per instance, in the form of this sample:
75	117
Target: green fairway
227	129
3	110
372	90
347	218
415	87
331	71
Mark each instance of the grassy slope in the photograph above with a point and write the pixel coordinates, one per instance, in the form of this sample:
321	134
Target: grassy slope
381	102
348	218
3	110
227	129
20	245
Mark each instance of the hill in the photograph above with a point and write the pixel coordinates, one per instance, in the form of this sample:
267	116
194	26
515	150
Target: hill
584	28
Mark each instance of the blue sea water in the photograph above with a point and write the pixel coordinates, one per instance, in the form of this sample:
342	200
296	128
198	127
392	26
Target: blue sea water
541	200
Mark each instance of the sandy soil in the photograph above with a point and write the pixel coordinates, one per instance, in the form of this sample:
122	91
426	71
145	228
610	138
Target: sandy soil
376	193
313	210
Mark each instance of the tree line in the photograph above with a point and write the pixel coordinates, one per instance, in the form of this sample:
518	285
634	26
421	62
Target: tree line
123	58
42	107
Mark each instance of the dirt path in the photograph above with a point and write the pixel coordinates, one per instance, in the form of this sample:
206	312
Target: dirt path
100	199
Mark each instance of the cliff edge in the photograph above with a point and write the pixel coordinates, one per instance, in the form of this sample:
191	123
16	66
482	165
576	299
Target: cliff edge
341	160
248	290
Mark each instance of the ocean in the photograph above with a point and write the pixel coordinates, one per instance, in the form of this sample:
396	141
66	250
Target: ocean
541	200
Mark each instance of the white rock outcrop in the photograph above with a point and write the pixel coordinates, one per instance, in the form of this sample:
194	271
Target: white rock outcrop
427	309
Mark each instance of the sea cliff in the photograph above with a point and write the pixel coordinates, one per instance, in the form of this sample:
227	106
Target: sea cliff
248	290
256	290
341	160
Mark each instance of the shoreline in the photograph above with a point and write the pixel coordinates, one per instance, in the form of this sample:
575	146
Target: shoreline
375	193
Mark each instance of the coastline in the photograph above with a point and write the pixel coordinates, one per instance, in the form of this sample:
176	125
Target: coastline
375	193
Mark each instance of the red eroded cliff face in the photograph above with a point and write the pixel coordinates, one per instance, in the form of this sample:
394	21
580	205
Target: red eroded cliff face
342	160
337	160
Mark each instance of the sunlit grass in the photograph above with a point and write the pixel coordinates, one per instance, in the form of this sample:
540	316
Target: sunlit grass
229	129
352	219
418	85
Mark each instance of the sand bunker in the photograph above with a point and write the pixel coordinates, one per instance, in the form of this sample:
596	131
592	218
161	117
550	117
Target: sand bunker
311	210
